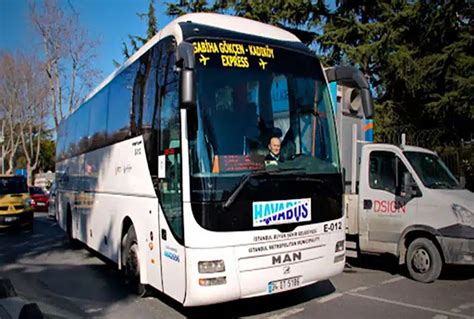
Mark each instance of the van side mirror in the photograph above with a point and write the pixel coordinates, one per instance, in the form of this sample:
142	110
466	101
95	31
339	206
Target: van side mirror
409	189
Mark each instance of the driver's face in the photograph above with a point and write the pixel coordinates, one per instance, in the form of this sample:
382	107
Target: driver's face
274	145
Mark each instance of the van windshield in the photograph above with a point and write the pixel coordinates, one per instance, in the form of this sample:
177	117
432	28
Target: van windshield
432	171
13	185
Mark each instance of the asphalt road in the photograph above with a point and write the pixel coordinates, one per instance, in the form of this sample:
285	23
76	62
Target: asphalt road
75	283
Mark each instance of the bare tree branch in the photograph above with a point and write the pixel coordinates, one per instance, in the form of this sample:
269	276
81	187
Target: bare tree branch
69	56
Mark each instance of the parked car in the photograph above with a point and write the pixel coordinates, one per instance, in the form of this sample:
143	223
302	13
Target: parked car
15	203
52	202
39	199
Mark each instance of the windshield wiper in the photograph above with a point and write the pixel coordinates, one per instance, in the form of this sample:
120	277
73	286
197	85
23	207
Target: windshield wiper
246	178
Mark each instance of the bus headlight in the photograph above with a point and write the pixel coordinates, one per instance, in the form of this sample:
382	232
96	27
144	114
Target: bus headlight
212	266
463	215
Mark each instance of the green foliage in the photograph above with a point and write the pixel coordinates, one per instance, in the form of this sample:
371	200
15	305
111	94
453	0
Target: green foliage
417	54
47	155
136	41
194	6
419	58
297	13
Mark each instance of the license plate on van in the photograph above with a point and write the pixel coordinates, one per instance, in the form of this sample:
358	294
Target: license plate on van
284	284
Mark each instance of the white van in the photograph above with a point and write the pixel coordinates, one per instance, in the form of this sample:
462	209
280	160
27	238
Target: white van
407	203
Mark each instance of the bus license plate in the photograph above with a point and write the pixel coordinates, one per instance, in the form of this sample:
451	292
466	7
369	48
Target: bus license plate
284	284
11	219
41	204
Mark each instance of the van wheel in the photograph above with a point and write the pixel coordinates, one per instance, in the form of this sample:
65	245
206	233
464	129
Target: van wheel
423	260
131	263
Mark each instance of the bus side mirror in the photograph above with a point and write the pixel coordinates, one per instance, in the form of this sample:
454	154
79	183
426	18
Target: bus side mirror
367	103
354	78
188	93
188	101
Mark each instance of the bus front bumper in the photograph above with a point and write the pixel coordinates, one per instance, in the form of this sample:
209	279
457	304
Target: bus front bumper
271	271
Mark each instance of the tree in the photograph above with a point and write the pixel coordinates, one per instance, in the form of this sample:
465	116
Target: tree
137	41
10	91
300	15
24	99
69	55
47	154
418	57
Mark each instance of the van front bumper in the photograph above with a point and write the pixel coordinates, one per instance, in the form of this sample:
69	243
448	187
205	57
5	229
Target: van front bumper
457	243
16	219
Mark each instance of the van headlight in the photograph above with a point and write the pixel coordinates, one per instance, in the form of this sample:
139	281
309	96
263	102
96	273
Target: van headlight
463	215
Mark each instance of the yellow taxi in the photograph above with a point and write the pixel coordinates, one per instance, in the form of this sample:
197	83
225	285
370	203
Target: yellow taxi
15	203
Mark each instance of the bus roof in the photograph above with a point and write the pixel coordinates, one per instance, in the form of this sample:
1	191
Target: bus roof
226	22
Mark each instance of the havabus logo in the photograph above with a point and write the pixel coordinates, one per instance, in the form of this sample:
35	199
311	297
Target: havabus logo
281	212
171	255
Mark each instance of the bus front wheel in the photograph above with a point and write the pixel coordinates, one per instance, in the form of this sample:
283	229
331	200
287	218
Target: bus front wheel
131	263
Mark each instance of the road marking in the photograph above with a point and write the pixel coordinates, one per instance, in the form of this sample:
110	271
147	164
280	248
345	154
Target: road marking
92	310
287	313
330	297
440	317
466	306
399	303
361	288
462	307
389	281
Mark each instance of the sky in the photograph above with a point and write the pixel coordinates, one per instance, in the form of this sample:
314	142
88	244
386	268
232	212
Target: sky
109	21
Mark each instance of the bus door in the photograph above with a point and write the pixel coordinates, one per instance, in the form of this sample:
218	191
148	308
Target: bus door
170	185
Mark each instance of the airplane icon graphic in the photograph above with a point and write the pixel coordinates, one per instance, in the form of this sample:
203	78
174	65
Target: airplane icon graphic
262	63
203	59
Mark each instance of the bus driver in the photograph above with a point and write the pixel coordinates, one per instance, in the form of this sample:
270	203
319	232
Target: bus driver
274	157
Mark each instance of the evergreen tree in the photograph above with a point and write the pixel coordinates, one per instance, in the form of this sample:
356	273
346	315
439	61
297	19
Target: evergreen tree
136	41
301	17
417	55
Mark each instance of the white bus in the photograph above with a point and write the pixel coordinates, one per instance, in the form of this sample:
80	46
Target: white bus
162	169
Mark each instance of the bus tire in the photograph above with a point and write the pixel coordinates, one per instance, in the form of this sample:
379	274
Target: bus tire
423	260
131	263
72	242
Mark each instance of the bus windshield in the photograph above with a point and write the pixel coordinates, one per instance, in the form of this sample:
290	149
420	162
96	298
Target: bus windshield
248	98
431	170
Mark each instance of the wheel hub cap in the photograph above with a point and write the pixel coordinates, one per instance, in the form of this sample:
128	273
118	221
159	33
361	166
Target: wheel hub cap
421	260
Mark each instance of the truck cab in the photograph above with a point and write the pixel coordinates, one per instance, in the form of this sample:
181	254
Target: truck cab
407	203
